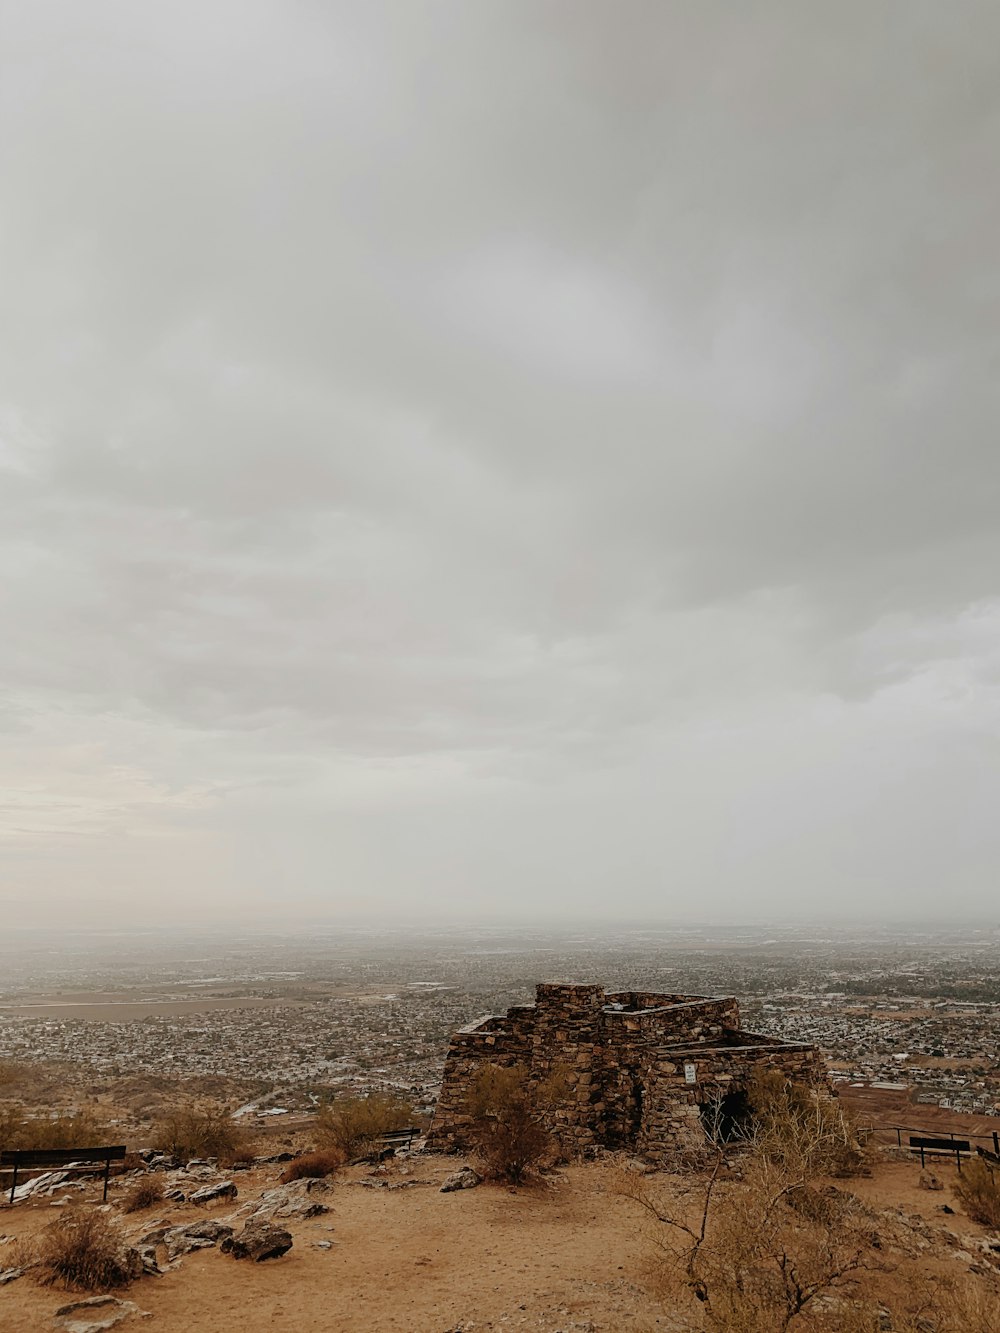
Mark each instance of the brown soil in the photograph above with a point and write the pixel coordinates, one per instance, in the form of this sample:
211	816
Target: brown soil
409	1259
886	1107
571	1255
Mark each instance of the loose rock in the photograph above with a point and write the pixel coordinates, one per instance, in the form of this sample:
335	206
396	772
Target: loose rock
466	1179
258	1240
179	1240
293	1200
225	1189
95	1314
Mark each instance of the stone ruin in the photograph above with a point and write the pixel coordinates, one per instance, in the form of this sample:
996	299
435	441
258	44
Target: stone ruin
645	1072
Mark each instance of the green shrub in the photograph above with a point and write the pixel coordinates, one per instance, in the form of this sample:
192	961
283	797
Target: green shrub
508	1115
354	1124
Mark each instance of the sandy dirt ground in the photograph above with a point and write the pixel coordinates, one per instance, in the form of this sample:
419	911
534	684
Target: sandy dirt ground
563	1256
884	1107
570	1256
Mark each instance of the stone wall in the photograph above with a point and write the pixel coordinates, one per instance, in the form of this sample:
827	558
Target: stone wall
623	1057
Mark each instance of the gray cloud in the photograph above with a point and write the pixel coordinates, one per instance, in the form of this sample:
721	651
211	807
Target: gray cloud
517	453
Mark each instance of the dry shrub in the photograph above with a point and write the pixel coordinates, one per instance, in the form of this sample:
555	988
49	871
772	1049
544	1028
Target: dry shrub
21	1253
508	1113
11	1126
313	1165
354	1124
969	1304
756	1255
84	1250
802	1128
73	1129
146	1192
188	1132
979	1189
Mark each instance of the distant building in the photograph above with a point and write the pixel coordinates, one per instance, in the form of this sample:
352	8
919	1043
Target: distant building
644	1070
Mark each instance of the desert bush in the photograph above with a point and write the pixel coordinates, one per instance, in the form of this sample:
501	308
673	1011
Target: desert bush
190	1131
508	1113
11	1126
353	1124
751	1256
979	1189
313	1165
83	1250
803	1128
938	1304
146	1192
72	1129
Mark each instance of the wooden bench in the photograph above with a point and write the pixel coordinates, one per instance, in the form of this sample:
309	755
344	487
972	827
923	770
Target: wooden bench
949	1146
400	1138
34	1159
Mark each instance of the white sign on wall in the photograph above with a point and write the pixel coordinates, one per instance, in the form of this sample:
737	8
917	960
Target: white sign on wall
690	1073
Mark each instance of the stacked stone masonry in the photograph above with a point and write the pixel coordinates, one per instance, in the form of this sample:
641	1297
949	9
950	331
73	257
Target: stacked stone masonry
639	1067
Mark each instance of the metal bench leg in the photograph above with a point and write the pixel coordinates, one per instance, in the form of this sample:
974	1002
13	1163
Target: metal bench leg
107	1169
13	1184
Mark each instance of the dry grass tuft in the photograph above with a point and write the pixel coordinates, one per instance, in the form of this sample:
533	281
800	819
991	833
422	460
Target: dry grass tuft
979	1189
313	1165
143	1194
84	1250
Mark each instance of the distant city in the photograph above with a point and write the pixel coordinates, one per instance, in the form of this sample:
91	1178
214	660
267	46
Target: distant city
290	1019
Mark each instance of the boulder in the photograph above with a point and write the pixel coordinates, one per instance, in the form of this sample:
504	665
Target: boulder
466	1179
223	1189
40	1185
259	1240
929	1181
10	1274
295	1199
96	1314
179	1240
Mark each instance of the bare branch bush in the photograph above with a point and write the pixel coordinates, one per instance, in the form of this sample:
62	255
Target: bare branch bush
760	1245
314	1165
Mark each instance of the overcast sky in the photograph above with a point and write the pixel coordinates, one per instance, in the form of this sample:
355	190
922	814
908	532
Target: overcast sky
499	459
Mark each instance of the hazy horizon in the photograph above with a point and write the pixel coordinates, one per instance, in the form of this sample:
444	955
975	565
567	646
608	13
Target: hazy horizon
515	461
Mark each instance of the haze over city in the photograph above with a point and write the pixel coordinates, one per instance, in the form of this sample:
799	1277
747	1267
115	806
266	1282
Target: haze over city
505	461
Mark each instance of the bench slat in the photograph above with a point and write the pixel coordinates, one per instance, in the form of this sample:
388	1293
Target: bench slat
940	1145
28	1157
